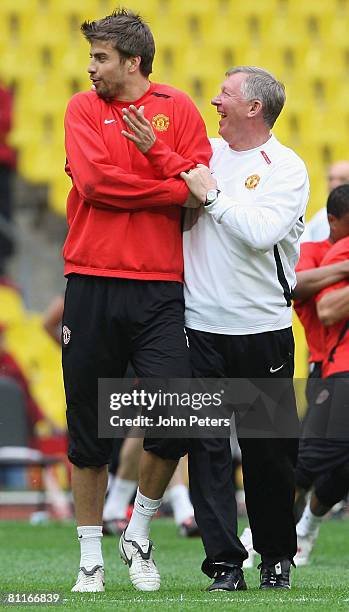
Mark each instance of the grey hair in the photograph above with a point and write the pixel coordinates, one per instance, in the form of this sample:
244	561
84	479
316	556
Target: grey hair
263	86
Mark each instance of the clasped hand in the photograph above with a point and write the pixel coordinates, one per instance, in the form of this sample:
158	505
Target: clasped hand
199	181
142	133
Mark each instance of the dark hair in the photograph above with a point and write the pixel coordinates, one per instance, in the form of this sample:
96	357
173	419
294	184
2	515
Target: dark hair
128	33
338	201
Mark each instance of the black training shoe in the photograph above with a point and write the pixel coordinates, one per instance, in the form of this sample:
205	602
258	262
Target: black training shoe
228	579
275	576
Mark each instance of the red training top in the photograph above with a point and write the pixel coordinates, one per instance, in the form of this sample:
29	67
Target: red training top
124	209
336	336
311	256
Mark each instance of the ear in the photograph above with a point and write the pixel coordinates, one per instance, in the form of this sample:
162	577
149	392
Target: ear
331	220
134	63
255	108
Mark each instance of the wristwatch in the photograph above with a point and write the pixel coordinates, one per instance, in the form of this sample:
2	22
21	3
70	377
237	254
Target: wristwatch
211	196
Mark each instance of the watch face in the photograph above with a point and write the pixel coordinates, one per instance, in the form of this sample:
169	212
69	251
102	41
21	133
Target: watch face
211	195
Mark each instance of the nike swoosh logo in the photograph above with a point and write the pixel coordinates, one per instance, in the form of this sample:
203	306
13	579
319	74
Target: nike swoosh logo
128	561
273	370
106	121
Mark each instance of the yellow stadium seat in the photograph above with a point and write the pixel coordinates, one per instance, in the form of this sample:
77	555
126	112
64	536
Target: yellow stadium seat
285	32
41	164
43	28
11	306
40	359
19	7
42	154
258	29
12	57
147	9
299	94
301	357
84	9
251	7
329	60
303	42
11	29
74	64
288	128
223	31
58	193
338	30
209	57
187	9
175	31
312	8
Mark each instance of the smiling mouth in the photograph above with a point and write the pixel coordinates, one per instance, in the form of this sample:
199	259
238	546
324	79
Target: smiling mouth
222	115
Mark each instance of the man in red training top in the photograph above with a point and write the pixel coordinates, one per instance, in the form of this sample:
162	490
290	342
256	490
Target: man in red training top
331	421
324	462
123	259
312	278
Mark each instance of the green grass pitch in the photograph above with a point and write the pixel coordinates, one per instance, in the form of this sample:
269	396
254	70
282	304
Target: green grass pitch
45	558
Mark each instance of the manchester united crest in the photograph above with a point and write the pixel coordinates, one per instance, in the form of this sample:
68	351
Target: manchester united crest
252	181
160	122
66	332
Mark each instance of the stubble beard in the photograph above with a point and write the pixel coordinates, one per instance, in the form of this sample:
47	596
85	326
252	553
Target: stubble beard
107	95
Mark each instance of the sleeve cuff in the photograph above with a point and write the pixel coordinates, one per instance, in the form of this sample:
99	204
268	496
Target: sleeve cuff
158	148
219	207
180	192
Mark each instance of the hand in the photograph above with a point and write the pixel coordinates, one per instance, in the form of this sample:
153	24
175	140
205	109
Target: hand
199	181
345	267
141	131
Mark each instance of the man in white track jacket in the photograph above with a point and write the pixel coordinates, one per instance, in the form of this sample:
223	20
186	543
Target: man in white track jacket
240	251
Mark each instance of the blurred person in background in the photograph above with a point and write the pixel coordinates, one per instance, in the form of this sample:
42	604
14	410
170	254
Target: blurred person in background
317	227
52	319
123	486
11	369
313	277
124	263
7	168
323	283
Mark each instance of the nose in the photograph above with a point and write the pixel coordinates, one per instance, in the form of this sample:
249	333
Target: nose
91	68
215	101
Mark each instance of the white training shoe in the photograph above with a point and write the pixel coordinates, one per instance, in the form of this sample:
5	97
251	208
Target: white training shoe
90	581
305	545
143	572
246	540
